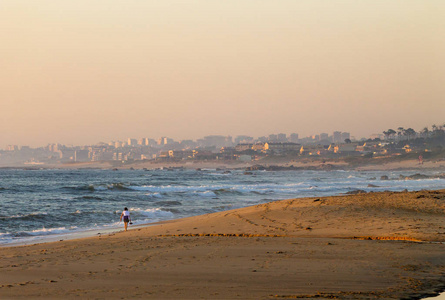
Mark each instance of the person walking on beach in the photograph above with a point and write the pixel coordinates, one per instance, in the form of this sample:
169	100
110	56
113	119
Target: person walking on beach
126	216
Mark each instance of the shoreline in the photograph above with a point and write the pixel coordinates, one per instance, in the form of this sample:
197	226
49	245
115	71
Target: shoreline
296	248
77	235
302	164
59	237
106	229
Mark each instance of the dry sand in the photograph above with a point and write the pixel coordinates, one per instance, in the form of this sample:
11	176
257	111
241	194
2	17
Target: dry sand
301	163
375	245
404	165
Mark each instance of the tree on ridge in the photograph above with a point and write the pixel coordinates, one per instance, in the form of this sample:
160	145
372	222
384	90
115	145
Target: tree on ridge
389	133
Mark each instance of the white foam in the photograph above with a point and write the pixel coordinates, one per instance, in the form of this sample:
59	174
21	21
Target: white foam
172	188
139	188
99	188
154	195
45	231
205	194
194	196
151	213
24	216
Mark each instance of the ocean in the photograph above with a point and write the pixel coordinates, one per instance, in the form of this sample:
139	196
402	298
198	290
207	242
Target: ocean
37	204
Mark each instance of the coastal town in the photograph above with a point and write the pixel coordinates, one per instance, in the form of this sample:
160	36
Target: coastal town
391	143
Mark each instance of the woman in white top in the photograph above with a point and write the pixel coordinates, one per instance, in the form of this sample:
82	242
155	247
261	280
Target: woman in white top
126	216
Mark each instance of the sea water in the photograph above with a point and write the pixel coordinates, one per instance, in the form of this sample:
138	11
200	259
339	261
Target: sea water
37	204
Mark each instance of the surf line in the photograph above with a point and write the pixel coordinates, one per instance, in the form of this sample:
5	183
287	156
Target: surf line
221	235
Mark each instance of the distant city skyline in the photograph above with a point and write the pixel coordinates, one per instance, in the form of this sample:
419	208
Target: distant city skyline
331	134
81	72
132	140
294	137
229	149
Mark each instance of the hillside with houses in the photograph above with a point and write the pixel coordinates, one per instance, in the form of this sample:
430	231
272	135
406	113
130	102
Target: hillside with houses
400	144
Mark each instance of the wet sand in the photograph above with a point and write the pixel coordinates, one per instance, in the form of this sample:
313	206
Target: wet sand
375	245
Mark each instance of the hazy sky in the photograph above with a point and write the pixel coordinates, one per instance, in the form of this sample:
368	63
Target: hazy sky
81	72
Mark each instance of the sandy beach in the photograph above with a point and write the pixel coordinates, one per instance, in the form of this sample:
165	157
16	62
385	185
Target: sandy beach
375	245
409	164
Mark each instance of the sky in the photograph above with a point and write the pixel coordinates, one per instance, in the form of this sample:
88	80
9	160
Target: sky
81	72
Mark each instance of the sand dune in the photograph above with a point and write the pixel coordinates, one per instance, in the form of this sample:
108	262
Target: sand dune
375	245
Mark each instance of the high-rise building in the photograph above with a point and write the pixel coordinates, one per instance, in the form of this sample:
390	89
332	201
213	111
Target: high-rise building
345	136
324	136
54	147
143	142
131	142
165	140
293	138
81	155
12	148
336	137
281	137
315	137
273	137
243	139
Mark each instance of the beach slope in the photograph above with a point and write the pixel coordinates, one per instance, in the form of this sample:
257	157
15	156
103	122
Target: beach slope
373	245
